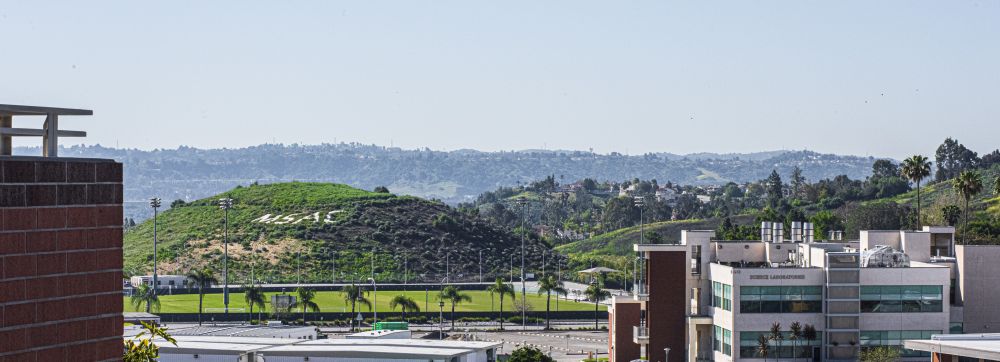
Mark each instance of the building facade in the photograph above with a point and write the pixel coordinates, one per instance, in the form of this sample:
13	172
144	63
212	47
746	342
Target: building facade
723	297
60	259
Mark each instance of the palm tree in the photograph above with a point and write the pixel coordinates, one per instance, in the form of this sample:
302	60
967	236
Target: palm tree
202	278
794	336
916	168
809	334
776	336
453	296
306	300
763	346
596	294
254	295
996	186
502	289
405	303
354	295
968	184
144	295
548	285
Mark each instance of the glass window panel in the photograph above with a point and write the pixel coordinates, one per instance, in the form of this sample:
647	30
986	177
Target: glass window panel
749	290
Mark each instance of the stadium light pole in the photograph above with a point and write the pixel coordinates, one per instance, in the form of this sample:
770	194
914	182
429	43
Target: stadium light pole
522	201
225	204
640	202
480	267
155	203
374	301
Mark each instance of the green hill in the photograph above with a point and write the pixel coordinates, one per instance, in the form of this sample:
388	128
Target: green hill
936	195
320	222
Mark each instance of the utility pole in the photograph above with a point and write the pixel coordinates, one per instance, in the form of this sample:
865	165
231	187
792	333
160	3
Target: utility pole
155	203
334	267
480	266
225	204
524	325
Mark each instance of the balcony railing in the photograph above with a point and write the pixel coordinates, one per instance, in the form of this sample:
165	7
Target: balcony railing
640	334
642	292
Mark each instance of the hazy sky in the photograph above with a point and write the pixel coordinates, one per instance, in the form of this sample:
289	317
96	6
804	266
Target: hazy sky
886	78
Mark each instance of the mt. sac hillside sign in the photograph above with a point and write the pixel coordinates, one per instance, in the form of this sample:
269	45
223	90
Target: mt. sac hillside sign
298	218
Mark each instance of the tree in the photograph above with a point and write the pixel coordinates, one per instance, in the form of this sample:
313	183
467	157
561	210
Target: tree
454	296
798	181
883	168
916	168
177	203
880	354
795	334
809	334
824	222
595	293
202	278
145	295
405	303
951	214
529	354
952	158
381	189
140	348
996	186
500	288
306	300
763	346
968	184
774	188
548	285
776	335
354	295
253	294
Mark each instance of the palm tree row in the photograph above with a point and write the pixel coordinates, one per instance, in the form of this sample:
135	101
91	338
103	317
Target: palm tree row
797	332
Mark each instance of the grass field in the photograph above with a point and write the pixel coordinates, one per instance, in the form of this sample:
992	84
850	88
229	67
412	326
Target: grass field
334	302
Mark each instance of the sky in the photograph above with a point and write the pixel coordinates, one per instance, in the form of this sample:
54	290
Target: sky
881	78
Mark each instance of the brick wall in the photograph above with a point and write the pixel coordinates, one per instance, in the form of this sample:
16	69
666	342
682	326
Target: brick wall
666	310
60	259
620	340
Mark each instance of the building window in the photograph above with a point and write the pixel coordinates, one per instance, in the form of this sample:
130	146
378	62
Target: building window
901	299
790	299
722	296
786	348
722	340
871	339
956	328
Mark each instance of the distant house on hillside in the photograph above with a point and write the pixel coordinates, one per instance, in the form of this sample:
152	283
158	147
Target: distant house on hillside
665	194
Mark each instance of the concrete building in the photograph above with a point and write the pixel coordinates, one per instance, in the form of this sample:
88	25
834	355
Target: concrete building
708	299
249	349
60	247
164	281
959	347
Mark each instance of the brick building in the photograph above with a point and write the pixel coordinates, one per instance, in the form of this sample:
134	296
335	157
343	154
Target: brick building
60	252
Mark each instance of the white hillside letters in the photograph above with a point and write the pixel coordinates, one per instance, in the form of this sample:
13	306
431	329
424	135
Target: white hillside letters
298	218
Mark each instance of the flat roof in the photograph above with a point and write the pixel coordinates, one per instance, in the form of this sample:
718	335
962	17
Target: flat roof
375	351
984	348
659	247
18	110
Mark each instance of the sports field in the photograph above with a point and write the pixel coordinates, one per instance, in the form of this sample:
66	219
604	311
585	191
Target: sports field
334	302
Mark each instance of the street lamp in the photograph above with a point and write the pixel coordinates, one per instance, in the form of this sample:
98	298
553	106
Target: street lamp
225	204
441	310
666	354
155	204
374	301
522	201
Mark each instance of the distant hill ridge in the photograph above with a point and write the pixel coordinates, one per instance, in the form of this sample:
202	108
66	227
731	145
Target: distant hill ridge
452	176
297	228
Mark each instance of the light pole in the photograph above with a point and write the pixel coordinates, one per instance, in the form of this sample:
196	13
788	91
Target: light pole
524	325
639	202
225	204
666	354
334	268
441	311
374	301
480	266
155	204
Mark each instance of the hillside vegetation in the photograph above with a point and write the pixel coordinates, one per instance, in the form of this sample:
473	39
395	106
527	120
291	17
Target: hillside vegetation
298	229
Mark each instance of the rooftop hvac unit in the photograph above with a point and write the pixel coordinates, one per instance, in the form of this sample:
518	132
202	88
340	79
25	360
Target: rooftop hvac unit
765	231
883	256
796	231
778	232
